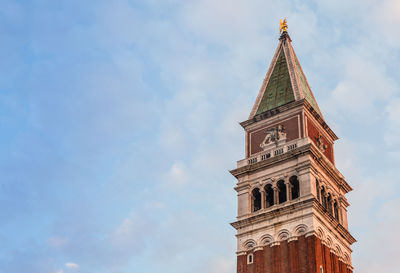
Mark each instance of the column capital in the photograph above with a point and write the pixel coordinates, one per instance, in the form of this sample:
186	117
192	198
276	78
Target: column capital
258	248
241	253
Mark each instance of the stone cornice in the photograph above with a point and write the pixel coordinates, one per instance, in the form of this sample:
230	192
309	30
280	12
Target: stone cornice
320	120
242	187
272	213
270	161
286	107
329	169
316	154
272	112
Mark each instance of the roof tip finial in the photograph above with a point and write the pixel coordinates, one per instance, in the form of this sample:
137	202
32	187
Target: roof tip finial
283	26
283	30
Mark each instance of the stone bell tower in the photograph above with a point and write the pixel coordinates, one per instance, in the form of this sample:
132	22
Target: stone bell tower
292	209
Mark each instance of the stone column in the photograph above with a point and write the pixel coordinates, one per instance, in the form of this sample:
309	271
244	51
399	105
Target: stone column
243	201
288	190
263	199
304	177
276	195
320	194
251	202
343	211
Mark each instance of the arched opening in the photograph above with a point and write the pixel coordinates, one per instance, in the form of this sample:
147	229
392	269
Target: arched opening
256	199
282	191
329	208
250	258
294	182
317	188
269	192
323	197
336	210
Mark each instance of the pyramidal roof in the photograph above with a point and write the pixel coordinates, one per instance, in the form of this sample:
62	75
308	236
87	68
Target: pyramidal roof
285	81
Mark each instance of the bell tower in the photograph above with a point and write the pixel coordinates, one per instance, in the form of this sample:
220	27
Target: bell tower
292	209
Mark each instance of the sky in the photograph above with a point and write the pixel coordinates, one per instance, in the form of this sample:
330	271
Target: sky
120	120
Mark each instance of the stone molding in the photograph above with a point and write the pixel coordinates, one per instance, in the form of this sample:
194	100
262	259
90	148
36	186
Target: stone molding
327	235
275	244
272	212
334	223
309	149
291	68
258	248
286	107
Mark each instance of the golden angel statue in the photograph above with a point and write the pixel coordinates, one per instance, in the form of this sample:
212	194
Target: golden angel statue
283	26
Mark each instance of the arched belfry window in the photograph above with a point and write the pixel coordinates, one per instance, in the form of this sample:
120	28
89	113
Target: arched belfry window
323	197
294	182
329	208
282	191
317	188
336	210
269	192
256	199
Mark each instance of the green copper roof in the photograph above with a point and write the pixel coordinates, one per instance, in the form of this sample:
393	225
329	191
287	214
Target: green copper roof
306	89
279	88
286	83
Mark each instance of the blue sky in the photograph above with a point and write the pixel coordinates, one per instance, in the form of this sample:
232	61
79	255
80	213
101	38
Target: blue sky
119	123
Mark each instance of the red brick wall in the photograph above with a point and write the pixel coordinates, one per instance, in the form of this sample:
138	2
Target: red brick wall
327	260
304	259
284	251
242	264
304	255
276	259
259	261
293	256
268	267
313	251
312	133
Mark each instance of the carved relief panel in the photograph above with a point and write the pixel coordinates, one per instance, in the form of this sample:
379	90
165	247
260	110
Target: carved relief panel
274	134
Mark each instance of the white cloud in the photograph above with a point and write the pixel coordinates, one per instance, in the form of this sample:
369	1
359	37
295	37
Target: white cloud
72	266
127	231
177	174
385	18
131	236
213	57
362	89
380	233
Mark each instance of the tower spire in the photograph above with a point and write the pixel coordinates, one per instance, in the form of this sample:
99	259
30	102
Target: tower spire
285	81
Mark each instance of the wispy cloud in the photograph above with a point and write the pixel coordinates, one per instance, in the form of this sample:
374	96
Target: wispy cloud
125	117
72	266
